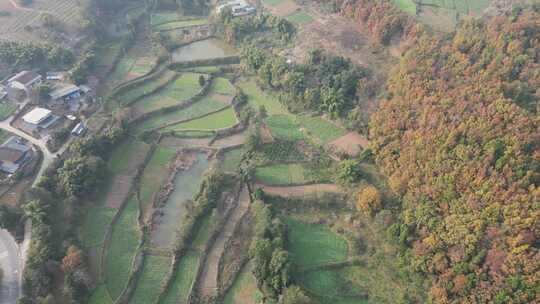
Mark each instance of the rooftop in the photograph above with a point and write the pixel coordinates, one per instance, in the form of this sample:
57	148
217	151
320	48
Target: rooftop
15	143
10	155
36	116
64	91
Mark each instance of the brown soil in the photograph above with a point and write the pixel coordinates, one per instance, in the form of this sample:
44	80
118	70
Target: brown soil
266	134
284	9
175	142
208	283
230	141
119	191
298	191
351	143
225	99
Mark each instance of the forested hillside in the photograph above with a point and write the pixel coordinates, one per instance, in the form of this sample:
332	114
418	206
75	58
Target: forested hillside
459	139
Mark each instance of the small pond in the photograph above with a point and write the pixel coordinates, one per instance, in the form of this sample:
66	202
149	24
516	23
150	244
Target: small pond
201	50
186	183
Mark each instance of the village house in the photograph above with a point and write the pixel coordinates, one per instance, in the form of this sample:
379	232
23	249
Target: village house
39	118
65	93
238	8
14	154
25	80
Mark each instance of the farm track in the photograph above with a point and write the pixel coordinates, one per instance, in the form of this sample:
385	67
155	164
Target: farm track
299	191
208	281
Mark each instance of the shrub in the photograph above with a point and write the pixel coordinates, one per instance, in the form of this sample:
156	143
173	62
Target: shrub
369	200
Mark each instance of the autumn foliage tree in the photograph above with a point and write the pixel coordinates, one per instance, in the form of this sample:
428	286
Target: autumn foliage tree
369	200
459	139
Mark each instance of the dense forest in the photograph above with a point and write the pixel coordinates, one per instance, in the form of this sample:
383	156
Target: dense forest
459	139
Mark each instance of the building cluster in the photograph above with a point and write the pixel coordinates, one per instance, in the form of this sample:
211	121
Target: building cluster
15	153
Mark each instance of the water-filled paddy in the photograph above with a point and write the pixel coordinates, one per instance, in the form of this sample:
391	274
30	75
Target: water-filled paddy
187	184
203	50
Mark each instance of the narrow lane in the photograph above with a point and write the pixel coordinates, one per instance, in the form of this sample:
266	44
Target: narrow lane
10	263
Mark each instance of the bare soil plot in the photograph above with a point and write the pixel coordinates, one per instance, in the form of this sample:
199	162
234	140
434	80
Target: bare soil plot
230	141
208	282
298	191
351	143
175	142
266	134
225	99
119	191
283	9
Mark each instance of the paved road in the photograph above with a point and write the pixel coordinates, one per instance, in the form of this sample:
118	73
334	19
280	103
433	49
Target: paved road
48	157
10	262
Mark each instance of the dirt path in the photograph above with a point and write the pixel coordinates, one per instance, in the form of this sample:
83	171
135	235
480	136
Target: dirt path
297	191
209	275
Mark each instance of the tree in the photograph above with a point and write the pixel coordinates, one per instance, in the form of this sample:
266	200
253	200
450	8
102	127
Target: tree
348	172
369	200
43	92
202	81
294	295
80	175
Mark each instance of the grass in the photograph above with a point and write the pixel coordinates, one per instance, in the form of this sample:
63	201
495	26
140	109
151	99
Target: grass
182	279
143	65
94	225
321	128
244	289
100	295
122	68
258	98
313	245
273	2
122	155
6	109
407	6
122	250
199	108
106	54
179	24
181	89
300	18
461	6
332	286
285	174
4	135
204	69
220	120
284	127
223	86
146	87
151	279
232	160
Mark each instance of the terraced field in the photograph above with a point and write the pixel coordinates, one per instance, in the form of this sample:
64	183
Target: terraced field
173	25
219	120
146	88
151	279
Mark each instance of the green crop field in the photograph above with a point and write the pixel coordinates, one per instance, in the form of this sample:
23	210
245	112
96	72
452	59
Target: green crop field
312	244
154	175
123	155
407	6
222	119
321	128
183	88
203	230
164	17
193	134
273	2
300	18
284	127
332	286
179	24
6	109
182	279
223	86
100	295
153	274
203	69
143	65
122	250
107	54
95	222
146	87
244	289
257	98
232	159
199	108
284	174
